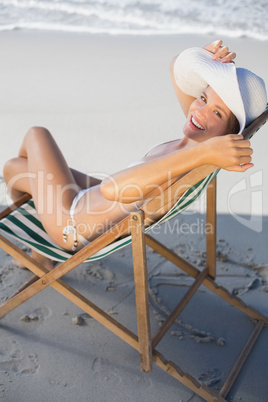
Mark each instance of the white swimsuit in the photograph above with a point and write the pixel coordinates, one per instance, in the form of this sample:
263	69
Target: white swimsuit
72	228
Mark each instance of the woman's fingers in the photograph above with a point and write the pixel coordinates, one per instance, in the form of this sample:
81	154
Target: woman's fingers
220	52
244	159
242	156
242	151
239	140
240	168
229	57
214	46
224	55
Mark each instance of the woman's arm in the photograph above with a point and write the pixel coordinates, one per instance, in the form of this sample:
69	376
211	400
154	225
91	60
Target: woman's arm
139	182
184	99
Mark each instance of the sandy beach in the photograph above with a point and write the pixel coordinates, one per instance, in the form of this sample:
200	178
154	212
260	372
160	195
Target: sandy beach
107	100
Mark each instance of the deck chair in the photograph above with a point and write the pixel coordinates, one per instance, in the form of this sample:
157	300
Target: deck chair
20	221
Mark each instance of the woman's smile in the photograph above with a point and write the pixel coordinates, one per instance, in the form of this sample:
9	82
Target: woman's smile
208	117
196	124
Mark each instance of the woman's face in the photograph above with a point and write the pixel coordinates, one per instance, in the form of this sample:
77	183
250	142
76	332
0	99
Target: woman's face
208	117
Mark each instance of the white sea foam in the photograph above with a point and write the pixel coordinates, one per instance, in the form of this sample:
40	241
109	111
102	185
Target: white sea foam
240	18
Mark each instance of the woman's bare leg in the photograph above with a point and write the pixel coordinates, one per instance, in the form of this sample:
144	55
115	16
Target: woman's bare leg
41	170
13	173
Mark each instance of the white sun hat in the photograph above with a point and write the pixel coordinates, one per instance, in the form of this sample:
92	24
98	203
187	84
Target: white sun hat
241	90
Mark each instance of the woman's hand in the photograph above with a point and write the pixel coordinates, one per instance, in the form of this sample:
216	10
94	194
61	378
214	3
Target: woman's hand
230	152
220	52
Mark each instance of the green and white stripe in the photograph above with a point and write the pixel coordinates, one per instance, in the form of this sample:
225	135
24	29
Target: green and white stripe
24	225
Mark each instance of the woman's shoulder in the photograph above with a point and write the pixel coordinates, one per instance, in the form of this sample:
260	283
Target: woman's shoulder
159	150
163	148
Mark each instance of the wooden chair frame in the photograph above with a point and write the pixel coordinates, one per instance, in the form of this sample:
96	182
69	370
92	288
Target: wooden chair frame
144	342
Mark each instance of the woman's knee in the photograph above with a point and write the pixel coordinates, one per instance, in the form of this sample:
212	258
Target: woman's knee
16	175
8	169
34	138
37	133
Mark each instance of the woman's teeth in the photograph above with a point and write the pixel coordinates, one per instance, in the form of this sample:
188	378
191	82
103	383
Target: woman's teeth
197	124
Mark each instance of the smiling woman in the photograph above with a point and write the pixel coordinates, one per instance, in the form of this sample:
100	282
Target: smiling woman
220	110
75	208
196	70
208	117
218	100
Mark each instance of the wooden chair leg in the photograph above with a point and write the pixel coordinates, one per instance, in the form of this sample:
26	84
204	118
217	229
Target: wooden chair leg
141	290
211	228
241	360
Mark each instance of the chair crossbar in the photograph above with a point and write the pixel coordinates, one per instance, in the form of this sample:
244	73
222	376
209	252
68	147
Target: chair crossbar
242	358
208	282
179	308
48	278
235	301
171	256
67	291
15	205
186	379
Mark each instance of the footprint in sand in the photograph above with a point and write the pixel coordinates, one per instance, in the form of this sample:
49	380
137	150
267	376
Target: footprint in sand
210	377
96	272
13	359
103	372
5	275
38	314
142	380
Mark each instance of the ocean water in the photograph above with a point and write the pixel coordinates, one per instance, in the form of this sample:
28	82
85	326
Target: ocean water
234	18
